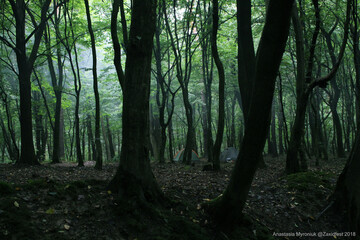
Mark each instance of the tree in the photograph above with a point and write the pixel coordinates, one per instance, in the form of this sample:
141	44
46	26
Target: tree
305	85
227	209
25	64
221	72
71	46
57	84
246	58
134	178
183	74
98	164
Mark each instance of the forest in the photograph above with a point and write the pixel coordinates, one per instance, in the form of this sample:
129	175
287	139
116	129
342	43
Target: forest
183	119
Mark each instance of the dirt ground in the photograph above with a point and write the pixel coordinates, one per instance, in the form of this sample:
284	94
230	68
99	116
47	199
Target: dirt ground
63	201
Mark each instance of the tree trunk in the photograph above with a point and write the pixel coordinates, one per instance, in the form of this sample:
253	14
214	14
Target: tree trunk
273	132
25	65
99	160
347	191
221	72
227	209
134	178
110	139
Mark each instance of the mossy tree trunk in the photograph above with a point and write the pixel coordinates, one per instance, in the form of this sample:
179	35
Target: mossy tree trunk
134	178
228	208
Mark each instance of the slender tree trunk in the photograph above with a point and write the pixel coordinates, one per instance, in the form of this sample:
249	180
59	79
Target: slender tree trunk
273	132
221	72
110	139
99	160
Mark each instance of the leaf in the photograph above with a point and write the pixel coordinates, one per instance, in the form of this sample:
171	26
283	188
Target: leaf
16	204
66	226
50	211
109	192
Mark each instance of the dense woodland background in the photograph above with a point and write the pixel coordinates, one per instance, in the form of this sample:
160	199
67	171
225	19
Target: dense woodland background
64	82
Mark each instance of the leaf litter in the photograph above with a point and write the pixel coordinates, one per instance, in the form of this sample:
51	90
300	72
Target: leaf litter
69	202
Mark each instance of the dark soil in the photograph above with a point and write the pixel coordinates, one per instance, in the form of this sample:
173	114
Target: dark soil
63	201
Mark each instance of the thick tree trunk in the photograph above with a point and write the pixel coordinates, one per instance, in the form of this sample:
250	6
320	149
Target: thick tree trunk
134	178
25	67
228	208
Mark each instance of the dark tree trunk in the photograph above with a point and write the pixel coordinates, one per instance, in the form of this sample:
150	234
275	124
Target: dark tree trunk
356	51
171	137
134	178
77	83
221	72
228	208
99	160
106	140
347	191
91	139
25	65
9	131
297	130
110	138
246	58
334	99
273	132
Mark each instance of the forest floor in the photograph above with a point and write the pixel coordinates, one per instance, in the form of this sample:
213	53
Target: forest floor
63	201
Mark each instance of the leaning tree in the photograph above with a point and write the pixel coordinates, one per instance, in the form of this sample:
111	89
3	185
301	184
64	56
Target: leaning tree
227	209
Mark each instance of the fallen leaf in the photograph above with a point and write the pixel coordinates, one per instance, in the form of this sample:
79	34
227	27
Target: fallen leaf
50	211
16	204
66	226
